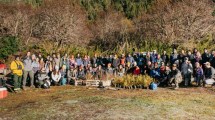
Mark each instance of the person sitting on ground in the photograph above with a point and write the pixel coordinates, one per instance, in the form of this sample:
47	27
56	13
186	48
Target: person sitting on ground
63	72
121	71
209	74
71	75
162	70
109	69
198	74
165	76
99	73
155	72
128	68
17	68
81	74
88	69
149	66
43	80
56	76
136	70
175	76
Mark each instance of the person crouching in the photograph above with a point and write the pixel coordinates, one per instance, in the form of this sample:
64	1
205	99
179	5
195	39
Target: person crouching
175	76
56	76
43	80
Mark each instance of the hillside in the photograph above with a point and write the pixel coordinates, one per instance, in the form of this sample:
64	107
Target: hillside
104	25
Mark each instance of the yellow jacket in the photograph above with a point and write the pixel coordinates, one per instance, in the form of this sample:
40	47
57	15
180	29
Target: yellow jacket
14	67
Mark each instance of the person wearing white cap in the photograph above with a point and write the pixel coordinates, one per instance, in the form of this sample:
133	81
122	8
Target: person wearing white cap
56	76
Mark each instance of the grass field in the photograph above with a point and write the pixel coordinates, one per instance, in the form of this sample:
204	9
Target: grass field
81	103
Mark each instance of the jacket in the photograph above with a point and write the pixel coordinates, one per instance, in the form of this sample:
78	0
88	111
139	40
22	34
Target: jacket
28	64
14	67
186	68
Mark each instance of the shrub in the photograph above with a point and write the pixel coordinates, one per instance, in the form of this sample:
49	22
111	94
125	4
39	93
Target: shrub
8	45
213	13
131	81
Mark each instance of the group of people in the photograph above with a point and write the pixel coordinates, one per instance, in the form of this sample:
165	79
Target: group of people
165	69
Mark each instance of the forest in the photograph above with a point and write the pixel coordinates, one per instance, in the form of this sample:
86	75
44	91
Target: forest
105	26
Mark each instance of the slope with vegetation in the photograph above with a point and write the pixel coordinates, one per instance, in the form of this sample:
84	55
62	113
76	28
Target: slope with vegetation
107	25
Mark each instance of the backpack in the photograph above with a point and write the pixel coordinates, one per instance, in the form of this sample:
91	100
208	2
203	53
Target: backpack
153	86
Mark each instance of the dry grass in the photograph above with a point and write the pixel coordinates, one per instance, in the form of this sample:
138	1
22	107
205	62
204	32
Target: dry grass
80	103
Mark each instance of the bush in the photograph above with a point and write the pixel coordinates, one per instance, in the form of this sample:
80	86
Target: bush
131	81
213	13
8	45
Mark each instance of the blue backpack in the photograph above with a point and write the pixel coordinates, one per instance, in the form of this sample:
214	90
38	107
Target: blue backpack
153	86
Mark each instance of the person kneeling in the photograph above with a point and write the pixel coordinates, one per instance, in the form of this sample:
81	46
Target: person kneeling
175	76
43	79
81	77
56	76
209	75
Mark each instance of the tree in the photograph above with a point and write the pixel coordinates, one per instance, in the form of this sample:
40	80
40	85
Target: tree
8	45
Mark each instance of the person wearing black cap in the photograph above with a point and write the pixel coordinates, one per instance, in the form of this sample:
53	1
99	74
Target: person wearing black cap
186	71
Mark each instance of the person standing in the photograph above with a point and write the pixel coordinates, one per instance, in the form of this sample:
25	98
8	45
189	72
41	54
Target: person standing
17	70
79	61
130	59
186	71
57	60
205	56
165	57
115	64
174	58
198	74
28	70
153	56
